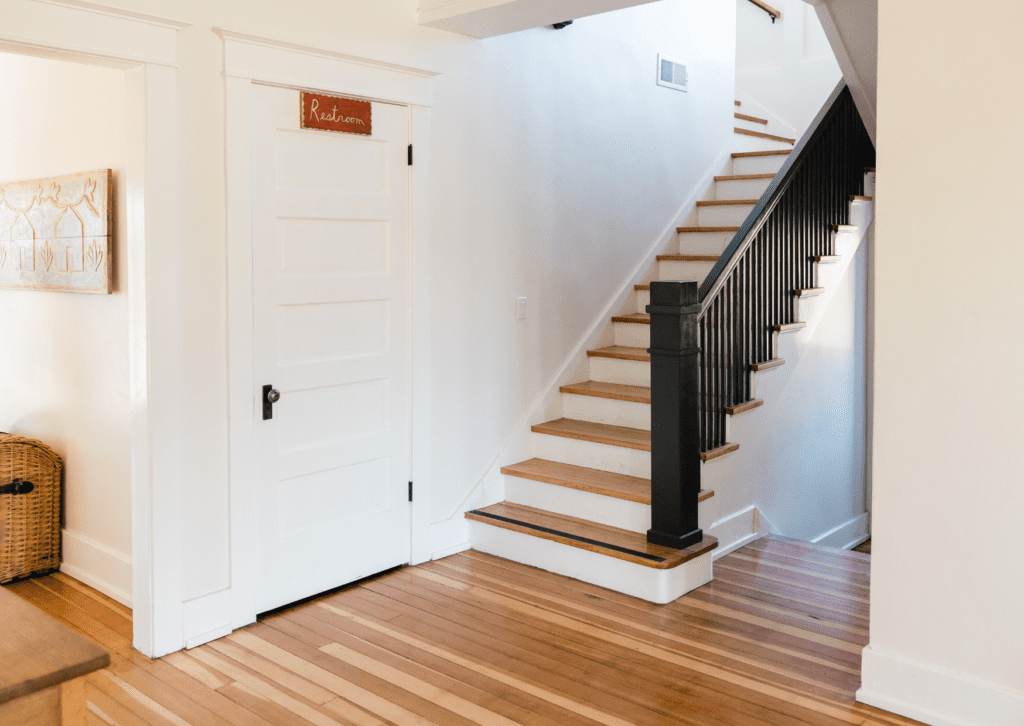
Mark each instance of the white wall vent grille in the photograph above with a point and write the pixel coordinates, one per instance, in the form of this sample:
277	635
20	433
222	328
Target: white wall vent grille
671	73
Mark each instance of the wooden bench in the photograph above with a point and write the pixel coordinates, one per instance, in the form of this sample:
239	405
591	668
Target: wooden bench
42	667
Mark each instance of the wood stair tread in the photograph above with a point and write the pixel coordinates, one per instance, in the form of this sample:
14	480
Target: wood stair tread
763	135
720	451
596	481
825	259
597	432
745	406
788	327
726	202
620	352
707	229
638	318
616	391
774	152
602	539
808	291
743	177
688	258
844	228
767	364
854	198
737	103
752	119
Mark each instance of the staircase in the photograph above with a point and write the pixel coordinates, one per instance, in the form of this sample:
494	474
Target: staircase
581	507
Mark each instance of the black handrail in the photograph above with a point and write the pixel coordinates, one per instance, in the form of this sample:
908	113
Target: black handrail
750	291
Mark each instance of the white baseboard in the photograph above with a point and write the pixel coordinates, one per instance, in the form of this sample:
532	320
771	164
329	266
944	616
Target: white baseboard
739	529
96	565
934	695
206	618
847	535
449	537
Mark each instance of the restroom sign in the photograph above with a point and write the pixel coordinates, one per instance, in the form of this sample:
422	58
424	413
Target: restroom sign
334	113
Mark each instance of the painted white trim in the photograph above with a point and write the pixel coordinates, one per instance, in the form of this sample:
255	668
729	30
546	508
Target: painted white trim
534	414
419	190
303	67
116	12
155	361
207	618
630	578
226	34
934	695
69	30
451	551
148	53
97	565
290	65
739	529
847	535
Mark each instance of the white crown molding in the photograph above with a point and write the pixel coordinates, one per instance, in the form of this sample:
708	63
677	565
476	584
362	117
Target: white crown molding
116	12
226	34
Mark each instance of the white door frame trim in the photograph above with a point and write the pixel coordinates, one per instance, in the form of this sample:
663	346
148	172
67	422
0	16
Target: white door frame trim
145	47
248	60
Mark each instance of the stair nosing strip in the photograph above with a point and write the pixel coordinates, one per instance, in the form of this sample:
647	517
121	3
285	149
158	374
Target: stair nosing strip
574	537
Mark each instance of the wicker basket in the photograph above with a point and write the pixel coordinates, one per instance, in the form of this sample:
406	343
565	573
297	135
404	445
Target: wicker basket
29	522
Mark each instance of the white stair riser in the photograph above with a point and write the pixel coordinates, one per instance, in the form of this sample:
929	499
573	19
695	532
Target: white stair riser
742	123
671	270
704	243
647	583
643	299
741	188
618	459
615	370
758	164
743	142
607	411
633	335
610	511
730	215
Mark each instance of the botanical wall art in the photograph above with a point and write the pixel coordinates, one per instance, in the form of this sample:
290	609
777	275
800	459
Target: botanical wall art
57	234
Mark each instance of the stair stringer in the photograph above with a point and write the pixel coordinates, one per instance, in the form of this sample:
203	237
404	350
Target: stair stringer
744	481
451	534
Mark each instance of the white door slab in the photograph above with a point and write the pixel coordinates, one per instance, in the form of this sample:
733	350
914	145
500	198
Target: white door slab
331	288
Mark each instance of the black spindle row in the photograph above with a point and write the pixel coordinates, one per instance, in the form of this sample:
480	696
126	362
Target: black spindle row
752	287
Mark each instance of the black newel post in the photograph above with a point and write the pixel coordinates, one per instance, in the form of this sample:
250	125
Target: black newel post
675	411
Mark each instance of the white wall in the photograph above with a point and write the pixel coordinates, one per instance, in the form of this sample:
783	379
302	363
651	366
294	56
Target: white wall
787	67
64	356
801	461
557	160
947	636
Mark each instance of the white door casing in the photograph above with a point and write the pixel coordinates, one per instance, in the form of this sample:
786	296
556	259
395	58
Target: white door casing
331	296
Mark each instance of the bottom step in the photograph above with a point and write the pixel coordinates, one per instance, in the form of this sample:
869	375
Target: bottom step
606	556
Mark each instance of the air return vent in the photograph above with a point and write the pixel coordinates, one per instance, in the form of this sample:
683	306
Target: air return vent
671	73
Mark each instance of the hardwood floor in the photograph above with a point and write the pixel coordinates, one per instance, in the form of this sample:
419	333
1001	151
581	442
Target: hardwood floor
473	639
864	547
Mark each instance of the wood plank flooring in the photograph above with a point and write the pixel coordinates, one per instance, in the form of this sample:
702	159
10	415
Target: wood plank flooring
474	639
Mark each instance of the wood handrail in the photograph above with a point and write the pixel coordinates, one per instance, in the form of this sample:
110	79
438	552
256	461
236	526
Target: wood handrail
768	9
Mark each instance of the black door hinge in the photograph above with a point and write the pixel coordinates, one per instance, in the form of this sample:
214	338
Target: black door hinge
410	154
410	491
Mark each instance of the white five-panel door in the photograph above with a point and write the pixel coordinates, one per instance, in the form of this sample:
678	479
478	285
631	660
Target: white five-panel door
331	289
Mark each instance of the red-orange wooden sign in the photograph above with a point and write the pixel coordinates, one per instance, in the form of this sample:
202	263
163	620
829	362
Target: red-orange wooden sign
332	113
